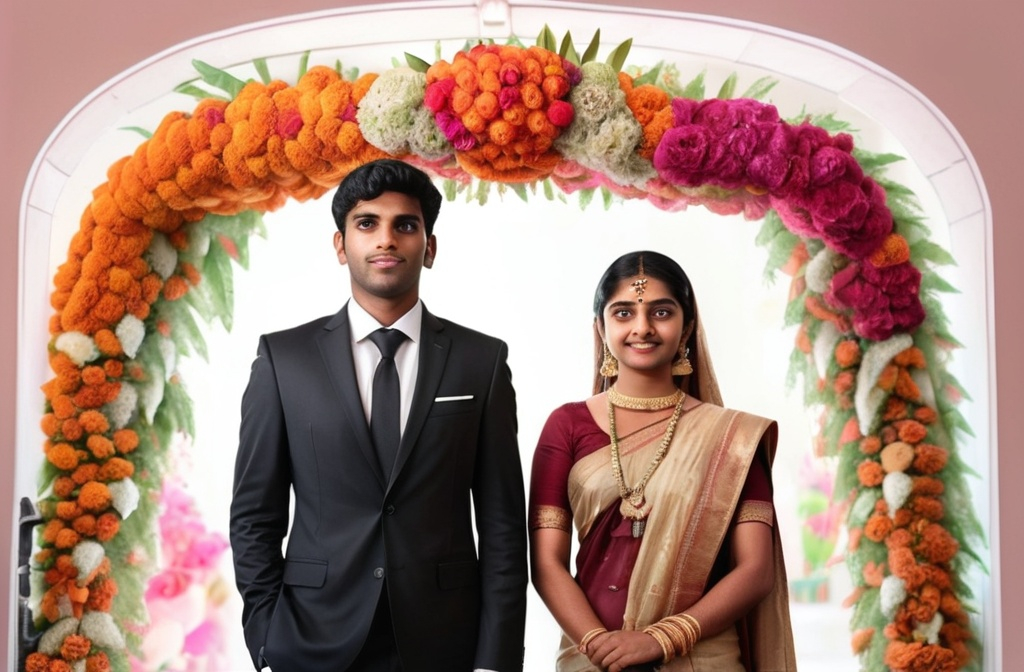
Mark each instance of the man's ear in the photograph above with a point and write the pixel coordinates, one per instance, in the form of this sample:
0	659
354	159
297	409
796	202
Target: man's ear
339	247
431	252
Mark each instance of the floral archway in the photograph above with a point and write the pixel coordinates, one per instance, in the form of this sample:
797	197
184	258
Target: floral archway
156	244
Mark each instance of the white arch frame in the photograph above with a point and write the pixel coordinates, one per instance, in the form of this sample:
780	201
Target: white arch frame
932	144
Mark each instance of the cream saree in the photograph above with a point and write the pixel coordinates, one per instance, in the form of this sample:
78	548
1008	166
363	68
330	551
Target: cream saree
694	494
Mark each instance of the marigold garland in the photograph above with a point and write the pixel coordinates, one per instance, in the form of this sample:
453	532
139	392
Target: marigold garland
146	251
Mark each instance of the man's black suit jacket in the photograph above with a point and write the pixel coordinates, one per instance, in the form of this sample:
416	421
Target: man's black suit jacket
456	604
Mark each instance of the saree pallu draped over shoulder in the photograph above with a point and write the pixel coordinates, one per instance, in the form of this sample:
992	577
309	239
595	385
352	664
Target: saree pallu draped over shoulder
694	494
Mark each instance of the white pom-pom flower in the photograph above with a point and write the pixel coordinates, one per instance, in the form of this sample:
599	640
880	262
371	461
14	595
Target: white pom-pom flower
896	488
121	409
868	397
76	345
824	346
162	256
929	632
124	496
820	270
99	626
892	594
130	331
54	636
86	557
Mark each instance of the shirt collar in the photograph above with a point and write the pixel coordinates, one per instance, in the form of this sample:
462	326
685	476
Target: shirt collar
362	324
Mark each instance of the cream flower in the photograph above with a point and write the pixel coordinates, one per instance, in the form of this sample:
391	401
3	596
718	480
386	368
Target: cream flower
820	270
162	256
76	345
130	331
86	557
122	408
868	398
896	488
929	632
392	117
54	636
124	496
169	353
99	626
150	395
824	346
892	594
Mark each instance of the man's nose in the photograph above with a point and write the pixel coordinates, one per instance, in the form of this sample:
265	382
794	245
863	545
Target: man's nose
386	237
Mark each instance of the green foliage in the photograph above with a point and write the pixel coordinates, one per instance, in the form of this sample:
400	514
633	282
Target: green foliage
262	70
416	63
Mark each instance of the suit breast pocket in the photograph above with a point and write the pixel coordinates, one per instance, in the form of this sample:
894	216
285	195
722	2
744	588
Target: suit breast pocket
452	405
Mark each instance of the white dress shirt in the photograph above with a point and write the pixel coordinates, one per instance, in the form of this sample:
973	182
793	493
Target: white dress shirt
366	356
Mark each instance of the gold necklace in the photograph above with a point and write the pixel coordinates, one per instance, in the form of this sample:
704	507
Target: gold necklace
616	398
634	506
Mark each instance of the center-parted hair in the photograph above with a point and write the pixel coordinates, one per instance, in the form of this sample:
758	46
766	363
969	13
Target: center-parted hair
370	180
655	265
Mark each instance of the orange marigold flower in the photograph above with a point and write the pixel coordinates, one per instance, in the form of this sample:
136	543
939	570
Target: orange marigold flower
843	382
126	440
37	662
114	368
75	647
898	538
108	344
870	445
67	538
57	665
911	431
878	527
98	662
94	422
62	456
848	353
191	273
63	407
919	657
870	473
94	396
893	250
861	640
100	446
906	387
85	473
71	429
50	425
936	544
873	573
85	525
51	529
902	517
63	487
888	434
107	526
929	507
116	468
68	510
925	415
175	287
912	357
101	595
930	459
151	286
887	379
94	496
895	409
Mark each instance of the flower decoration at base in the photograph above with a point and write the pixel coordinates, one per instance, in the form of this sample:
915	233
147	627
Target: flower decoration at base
156	246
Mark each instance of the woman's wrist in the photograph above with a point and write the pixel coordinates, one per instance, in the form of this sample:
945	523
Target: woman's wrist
676	635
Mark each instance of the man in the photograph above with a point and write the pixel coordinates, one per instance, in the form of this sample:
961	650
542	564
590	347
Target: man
381	573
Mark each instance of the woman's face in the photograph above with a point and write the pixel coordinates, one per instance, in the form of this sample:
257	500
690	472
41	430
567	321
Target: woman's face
643	334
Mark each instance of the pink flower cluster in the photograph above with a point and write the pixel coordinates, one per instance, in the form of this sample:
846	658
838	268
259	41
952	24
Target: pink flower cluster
815	185
185	631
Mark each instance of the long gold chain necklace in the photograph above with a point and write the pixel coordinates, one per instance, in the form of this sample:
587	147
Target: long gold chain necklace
634	505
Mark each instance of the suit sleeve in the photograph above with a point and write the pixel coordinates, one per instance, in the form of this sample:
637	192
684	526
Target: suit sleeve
259	504
499	501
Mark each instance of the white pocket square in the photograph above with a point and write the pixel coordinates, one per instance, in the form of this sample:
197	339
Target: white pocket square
464	397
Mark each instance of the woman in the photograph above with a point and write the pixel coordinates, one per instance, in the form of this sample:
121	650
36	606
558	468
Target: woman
679	565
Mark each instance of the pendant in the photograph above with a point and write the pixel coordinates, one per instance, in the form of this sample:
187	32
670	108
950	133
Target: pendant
637	511
638	528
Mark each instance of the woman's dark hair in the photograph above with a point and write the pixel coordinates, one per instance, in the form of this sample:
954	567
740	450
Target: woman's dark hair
655	265
370	180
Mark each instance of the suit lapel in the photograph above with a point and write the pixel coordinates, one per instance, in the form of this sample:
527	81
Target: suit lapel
335	344
434	348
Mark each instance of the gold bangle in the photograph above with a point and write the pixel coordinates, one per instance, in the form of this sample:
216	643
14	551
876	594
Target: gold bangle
663	639
586	639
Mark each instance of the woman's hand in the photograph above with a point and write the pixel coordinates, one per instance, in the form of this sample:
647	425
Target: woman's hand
618	650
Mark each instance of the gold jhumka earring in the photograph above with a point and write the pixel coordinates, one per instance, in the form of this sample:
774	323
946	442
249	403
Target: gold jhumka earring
682	367
609	365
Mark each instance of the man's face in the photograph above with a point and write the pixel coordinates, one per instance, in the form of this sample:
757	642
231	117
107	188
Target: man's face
385	247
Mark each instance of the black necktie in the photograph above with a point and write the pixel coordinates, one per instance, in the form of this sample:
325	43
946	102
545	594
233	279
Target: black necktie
386	399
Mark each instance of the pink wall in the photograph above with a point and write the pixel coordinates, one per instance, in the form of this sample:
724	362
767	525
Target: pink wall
966	58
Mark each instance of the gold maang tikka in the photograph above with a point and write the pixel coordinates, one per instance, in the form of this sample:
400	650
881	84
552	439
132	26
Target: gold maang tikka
640	284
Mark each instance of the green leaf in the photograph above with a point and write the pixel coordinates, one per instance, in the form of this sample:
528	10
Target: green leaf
450	189
728	88
649	77
262	70
567	50
482	192
138	129
617	58
218	78
218	275
549	190
586	196
933	282
303	64
870	161
608	197
694	90
760	88
199	94
591	52
520	190
546	39
933	252
416	63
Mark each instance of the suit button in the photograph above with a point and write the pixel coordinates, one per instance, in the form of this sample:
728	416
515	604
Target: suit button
378	573
389	509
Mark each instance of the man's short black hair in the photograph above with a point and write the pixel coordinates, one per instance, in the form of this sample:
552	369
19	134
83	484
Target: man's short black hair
370	180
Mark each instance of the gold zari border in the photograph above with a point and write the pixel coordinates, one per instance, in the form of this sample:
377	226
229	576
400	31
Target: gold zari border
550	516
